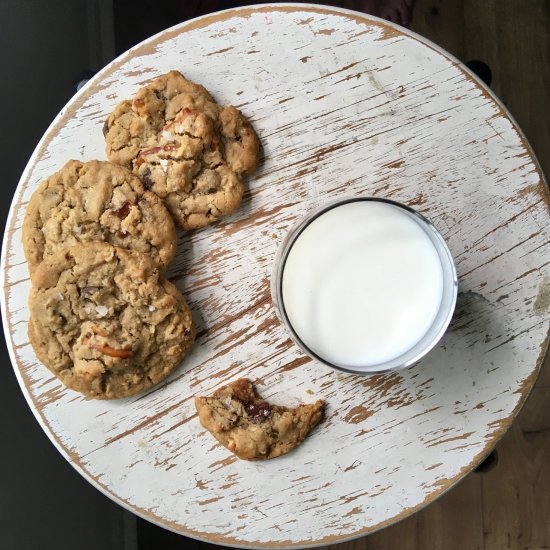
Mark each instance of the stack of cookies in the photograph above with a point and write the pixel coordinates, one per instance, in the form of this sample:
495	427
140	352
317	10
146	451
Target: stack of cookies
98	237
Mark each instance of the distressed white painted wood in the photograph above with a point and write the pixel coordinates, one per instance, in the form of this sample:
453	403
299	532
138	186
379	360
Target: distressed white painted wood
344	105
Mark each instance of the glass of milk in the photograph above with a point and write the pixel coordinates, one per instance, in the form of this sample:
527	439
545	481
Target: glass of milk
365	285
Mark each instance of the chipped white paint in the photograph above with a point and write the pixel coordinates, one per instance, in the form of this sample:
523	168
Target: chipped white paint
343	105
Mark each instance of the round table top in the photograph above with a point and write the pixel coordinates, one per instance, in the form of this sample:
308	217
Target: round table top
344	105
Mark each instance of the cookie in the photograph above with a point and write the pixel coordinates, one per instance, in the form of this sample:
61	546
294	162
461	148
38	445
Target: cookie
251	427
96	201
106	322
185	147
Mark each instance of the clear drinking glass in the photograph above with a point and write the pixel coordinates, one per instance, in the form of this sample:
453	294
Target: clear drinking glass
440	322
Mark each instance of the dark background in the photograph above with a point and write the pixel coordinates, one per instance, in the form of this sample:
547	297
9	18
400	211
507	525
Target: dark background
46	46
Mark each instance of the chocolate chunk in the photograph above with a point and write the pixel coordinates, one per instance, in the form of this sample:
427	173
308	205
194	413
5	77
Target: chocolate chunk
146	178
123	211
258	412
105	127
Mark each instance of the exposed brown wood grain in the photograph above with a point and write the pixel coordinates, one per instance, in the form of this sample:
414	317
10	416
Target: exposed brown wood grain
453	522
513	39
516	496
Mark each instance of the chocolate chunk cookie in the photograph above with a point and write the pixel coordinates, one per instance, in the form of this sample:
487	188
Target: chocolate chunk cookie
96	201
105	322
185	147
252	428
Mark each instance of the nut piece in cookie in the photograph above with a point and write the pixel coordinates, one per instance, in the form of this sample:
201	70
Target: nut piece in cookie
251	427
96	201
106	322
185	147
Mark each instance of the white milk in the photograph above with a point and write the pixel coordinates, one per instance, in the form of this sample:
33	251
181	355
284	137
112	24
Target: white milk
362	284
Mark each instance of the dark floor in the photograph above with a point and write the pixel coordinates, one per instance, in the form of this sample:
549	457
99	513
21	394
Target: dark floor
44	49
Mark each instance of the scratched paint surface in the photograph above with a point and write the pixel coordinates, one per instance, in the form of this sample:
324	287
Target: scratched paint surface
344	105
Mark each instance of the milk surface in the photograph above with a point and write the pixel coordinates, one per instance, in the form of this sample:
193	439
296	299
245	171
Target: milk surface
362	284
